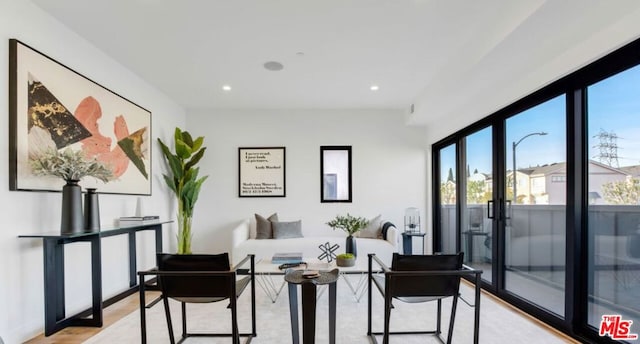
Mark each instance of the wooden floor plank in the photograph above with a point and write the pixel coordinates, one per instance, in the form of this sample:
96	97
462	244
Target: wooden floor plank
111	314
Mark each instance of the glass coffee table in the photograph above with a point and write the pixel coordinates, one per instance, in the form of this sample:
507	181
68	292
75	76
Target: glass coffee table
271	279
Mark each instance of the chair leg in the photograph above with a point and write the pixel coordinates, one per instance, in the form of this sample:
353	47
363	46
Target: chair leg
453	318
369	306
234	322
387	318
167	314
184	320
439	318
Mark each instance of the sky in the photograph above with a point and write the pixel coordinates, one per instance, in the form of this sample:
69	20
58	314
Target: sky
613	106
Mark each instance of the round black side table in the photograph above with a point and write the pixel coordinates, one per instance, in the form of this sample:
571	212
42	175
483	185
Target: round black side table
294	278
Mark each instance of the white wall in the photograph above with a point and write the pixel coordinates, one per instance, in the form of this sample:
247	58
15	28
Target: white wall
388	161
21	278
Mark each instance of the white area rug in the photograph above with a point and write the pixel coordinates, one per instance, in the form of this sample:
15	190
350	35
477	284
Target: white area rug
498	324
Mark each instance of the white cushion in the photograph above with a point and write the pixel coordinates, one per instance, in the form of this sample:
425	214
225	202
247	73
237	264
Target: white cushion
373	229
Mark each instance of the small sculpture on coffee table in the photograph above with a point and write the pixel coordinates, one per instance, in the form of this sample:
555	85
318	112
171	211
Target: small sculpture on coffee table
328	251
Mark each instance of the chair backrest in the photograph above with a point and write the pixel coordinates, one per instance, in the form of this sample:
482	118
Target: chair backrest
195	286
425	285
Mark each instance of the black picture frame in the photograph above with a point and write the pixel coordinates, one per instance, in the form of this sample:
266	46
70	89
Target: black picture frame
262	172
53	106
335	174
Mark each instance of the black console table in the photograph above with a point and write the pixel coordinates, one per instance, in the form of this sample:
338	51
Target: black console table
55	318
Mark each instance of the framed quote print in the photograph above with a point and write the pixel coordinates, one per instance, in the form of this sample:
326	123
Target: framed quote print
261	172
52	108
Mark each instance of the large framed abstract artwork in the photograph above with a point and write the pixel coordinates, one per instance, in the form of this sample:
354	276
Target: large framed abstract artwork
53	107
261	172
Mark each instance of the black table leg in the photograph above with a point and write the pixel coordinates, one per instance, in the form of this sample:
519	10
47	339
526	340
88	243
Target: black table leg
332	313
132	259
54	309
407	244
293	310
96	281
158	230
308	313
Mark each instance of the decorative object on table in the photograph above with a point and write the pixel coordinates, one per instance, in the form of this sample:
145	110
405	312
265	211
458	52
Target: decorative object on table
53	106
412	220
183	180
328	251
287	258
139	207
137	220
91	210
351	225
261	172
335	174
346	260
71	166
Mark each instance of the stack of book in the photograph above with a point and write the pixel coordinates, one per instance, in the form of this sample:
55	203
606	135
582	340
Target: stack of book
287	258
138	220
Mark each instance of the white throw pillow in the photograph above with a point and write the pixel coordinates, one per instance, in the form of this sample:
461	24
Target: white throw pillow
372	230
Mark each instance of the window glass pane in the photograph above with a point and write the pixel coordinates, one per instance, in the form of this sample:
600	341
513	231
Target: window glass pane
535	234
614	195
448	198
476	231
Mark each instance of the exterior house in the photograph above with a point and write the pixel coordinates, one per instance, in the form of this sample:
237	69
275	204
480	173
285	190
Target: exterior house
547	184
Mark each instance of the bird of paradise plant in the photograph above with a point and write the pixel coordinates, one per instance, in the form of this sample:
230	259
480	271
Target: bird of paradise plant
183	181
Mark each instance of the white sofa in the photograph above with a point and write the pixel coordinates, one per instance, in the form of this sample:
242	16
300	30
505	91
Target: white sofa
243	243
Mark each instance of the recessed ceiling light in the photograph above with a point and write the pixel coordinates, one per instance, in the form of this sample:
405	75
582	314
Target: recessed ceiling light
374	87
273	66
226	88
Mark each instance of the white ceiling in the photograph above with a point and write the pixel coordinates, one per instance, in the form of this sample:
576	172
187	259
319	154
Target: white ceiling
448	57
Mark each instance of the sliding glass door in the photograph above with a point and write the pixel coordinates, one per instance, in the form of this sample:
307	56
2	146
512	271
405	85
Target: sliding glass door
614	198
447	196
545	199
536	188
476	230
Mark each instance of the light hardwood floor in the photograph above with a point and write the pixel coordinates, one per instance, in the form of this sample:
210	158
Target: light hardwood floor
115	312
111	314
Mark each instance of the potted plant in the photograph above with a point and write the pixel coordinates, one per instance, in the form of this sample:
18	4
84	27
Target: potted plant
351	225
345	259
183	181
71	166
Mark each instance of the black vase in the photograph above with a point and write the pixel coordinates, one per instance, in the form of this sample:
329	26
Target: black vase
71	221
91	211
351	246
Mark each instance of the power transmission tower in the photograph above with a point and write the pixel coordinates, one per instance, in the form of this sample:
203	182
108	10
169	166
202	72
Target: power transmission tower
608	148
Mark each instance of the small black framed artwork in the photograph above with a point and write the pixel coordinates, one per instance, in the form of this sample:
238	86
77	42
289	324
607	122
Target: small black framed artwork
54	108
261	172
335	174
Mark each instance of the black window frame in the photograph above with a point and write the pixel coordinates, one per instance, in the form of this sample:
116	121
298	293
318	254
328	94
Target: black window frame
574	86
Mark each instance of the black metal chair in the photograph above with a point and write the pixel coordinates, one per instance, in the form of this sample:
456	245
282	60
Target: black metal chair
200	278
421	278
